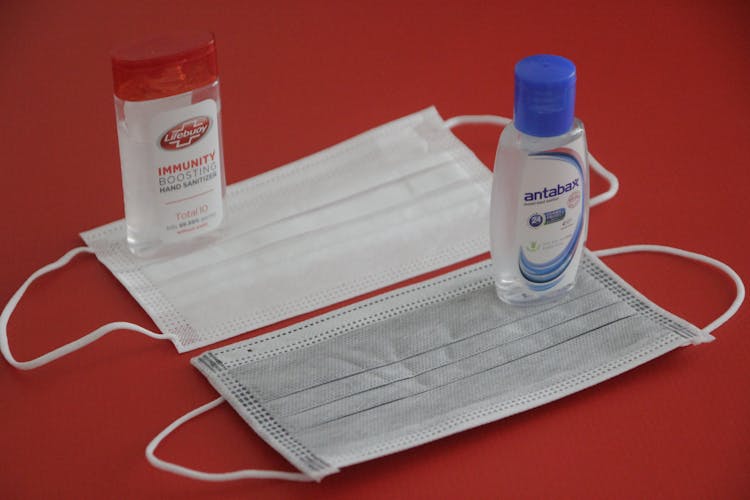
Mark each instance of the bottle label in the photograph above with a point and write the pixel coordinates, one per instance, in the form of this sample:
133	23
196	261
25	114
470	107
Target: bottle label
186	166
552	226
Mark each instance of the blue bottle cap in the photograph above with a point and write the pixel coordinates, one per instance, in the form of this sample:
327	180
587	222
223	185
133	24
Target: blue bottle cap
545	95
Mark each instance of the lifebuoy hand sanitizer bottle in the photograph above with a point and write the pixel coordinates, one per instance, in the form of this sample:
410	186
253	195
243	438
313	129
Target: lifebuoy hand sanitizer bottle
540	193
169	131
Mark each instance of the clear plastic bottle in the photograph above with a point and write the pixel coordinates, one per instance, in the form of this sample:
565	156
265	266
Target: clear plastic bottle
169	131
540	193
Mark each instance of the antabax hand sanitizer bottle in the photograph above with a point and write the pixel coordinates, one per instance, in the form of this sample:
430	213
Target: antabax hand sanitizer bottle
540	193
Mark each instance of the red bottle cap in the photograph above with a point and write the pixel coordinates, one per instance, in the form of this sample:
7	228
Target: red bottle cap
164	66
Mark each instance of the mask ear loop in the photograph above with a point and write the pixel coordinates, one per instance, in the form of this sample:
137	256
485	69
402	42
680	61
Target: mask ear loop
693	256
72	346
614	183
211	476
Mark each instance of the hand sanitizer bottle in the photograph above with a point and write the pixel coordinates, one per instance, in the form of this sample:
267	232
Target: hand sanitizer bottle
169	130
540	193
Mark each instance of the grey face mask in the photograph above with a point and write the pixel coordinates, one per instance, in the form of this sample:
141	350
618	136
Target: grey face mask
431	360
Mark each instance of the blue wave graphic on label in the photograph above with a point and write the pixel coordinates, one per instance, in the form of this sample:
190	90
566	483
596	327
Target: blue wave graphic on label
545	275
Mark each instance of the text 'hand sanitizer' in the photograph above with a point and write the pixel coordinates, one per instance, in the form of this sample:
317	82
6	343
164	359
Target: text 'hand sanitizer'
540	193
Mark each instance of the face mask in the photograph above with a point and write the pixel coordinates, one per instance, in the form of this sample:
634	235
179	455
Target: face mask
390	204
431	360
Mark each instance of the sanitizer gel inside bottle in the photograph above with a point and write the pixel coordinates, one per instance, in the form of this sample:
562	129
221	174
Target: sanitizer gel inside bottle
169	131
540	193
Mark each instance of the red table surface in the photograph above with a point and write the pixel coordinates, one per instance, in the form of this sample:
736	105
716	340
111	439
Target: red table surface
664	93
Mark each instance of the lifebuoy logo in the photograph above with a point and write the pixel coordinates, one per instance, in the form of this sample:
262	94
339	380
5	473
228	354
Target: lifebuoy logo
186	133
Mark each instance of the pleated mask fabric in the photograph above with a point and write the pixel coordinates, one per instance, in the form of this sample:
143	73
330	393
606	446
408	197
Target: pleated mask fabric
431	360
397	201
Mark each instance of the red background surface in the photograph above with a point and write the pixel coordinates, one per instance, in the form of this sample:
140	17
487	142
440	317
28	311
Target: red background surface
663	91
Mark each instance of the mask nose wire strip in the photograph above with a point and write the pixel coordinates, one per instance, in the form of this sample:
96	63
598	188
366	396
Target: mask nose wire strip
211	476
72	346
614	183
693	256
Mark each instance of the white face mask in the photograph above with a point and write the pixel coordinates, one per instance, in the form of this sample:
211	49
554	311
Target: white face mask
392	203
430	360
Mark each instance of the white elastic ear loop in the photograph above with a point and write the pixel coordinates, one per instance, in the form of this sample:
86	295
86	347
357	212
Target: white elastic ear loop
211	476
612	180
457	121
694	256
72	346
614	183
